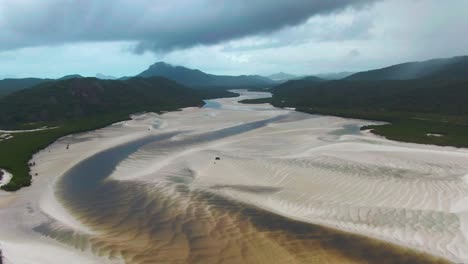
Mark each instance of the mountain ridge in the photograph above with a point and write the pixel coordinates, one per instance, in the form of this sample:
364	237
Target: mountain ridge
282	76
195	77
440	68
11	85
83	97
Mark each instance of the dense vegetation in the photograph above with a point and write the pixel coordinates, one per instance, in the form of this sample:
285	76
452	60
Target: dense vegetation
81	104
8	86
415	108
443	69
438	97
87	97
16	152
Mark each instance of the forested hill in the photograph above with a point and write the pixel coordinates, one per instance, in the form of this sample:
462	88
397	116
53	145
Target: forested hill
455	68
86	97
415	96
8	86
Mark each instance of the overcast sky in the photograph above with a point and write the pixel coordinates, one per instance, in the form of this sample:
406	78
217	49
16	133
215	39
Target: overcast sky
52	38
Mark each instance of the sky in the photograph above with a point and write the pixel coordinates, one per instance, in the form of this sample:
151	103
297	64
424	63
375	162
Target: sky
53	38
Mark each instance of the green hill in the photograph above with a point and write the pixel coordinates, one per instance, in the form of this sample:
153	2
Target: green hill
70	76
8	86
443	97
455	68
85	97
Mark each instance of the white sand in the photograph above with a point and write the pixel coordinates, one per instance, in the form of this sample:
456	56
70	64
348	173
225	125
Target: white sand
399	192
26	130
6	177
434	135
410	194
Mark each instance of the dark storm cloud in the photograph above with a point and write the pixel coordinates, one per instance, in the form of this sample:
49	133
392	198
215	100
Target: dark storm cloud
155	25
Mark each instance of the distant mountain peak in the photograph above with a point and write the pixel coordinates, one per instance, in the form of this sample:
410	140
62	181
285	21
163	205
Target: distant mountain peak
161	64
280	76
195	77
71	76
312	79
105	77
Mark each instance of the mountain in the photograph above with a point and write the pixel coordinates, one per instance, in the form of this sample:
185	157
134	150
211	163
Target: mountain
8	86
281	76
334	76
105	77
451	68
298	84
78	98
7	76
436	87
197	78
312	79
71	76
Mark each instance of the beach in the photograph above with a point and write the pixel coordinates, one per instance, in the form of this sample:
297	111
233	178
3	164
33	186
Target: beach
237	183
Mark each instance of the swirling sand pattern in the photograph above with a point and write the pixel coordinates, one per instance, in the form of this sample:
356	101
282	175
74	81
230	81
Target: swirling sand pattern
173	220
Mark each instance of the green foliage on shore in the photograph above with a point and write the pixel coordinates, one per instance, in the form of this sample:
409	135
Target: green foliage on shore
16	152
78	105
423	132
9	86
440	97
412	108
414	129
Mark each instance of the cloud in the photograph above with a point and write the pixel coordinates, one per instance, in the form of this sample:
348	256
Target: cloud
384	33
354	53
158	26
351	24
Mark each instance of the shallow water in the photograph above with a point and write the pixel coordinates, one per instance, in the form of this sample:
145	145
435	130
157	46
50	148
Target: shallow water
212	104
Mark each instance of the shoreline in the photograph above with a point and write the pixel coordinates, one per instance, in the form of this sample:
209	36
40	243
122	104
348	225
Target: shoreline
5	177
415	130
38	204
